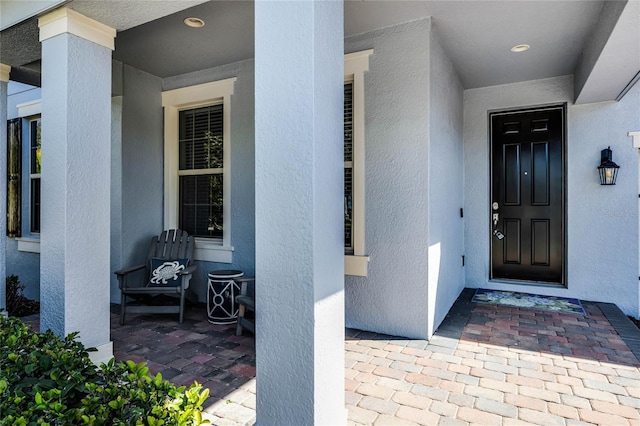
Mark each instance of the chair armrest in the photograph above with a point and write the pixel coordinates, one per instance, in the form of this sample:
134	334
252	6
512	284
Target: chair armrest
248	302
244	281
189	270
129	270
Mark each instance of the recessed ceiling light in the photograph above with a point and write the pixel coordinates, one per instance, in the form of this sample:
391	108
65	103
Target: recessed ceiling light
194	22
520	48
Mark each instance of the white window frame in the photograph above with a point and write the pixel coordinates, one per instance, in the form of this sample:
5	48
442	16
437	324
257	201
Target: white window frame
173	101
355	65
33	176
30	111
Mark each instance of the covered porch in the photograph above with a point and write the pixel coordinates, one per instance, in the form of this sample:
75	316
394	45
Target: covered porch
486	364
113	86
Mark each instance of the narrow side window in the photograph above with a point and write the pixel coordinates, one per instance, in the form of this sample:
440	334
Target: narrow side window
14	181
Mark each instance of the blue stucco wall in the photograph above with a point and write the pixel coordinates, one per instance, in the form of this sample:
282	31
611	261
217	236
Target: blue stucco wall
137	169
18	93
26	266
116	196
23	264
137	172
242	166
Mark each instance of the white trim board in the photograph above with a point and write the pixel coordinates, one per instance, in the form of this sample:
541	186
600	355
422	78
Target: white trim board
5	71
66	20
28	109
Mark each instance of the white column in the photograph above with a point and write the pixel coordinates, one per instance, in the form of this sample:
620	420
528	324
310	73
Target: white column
299	212
4	80
76	156
635	141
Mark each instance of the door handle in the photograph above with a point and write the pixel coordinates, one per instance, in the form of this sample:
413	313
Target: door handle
496	217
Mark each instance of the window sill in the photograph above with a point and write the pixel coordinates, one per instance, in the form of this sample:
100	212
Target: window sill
212	251
29	245
356	265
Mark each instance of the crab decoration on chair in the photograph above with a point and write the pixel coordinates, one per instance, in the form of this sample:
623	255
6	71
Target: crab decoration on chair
166	272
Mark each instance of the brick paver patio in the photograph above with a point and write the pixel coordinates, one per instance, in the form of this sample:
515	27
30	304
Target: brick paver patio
506	366
486	365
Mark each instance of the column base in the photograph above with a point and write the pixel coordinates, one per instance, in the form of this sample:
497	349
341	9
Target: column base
103	354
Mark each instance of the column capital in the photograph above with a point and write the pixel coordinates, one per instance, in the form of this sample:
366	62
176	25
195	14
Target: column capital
66	20
636	138
5	70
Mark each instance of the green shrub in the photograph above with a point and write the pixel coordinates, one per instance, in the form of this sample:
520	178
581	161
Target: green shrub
17	304
45	380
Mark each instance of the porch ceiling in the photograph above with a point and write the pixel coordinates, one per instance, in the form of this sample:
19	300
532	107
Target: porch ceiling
477	35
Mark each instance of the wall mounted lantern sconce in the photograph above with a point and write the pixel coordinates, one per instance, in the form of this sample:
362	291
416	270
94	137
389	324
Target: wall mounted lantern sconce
608	169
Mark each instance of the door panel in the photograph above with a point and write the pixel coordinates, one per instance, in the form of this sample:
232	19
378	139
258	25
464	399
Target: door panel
540	242
540	174
511	174
527	174
512	241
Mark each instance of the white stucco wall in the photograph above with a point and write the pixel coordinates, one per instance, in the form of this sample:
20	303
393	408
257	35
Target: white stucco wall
602	221
299	153
393	298
76	117
446	229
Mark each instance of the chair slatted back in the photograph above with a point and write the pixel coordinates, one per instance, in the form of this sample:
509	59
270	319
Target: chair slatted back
172	244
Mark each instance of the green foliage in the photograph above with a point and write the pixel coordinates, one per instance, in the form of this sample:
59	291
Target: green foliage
45	380
17	304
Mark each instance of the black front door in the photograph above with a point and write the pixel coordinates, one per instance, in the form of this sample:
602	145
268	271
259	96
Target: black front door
527	195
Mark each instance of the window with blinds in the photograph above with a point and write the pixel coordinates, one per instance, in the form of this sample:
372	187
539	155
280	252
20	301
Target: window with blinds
348	167
36	165
201	171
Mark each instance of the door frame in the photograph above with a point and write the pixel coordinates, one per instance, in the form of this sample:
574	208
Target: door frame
565	259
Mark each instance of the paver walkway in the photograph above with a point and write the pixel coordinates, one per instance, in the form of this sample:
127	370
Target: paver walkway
486	365
506	366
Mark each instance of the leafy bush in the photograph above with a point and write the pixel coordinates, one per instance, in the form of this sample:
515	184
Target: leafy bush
50	381
17	304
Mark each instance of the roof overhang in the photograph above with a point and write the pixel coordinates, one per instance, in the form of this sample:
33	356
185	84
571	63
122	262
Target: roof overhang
610	62
15	11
